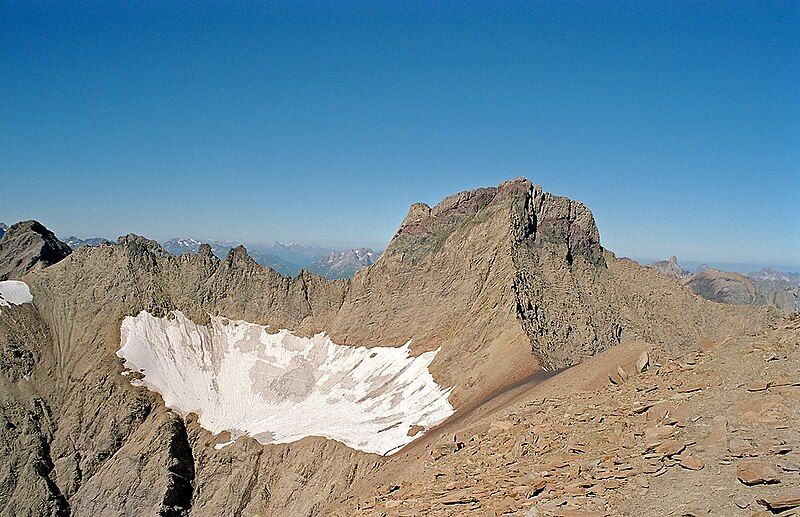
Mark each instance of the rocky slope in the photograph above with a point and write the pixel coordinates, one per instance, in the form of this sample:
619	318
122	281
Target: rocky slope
503	281
28	246
709	429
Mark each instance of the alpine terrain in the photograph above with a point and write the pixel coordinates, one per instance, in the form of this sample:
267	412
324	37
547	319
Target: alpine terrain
496	359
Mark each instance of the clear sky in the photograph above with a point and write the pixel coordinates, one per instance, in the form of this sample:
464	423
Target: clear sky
678	123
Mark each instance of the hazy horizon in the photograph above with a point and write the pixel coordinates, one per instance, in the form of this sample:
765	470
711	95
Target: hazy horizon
320	123
688	263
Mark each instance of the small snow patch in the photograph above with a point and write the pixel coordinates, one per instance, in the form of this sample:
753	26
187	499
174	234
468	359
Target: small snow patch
14	292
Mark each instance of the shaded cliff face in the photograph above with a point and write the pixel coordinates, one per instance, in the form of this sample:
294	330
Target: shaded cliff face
28	246
503	280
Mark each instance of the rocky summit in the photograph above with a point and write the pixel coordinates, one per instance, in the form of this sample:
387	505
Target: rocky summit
27	246
496	359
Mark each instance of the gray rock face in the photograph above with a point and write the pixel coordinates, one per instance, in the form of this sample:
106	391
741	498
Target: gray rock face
779	289
26	246
669	268
503	280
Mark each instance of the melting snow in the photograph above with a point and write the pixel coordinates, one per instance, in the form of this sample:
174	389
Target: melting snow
14	292
279	388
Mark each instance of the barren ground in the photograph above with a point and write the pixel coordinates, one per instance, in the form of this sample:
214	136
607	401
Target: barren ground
710	430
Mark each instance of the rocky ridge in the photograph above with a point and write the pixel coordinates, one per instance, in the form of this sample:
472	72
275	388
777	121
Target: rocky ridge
669	268
724	287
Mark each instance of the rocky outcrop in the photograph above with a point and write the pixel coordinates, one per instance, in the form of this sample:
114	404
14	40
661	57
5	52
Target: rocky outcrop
502	280
27	246
669	268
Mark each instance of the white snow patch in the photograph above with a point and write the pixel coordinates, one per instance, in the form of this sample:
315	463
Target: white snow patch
14	292
279	388
224	444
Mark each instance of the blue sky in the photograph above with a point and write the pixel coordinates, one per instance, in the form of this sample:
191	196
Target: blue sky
678	123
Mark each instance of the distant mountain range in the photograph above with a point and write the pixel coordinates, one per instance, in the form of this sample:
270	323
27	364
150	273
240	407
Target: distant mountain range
178	246
763	287
344	264
75	243
286	259
770	275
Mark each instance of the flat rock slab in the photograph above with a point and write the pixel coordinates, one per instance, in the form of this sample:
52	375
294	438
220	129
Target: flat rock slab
789	466
691	463
756	473
781	503
758	386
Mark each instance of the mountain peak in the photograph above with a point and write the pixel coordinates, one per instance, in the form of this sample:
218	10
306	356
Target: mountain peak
239	255
529	213
29	245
